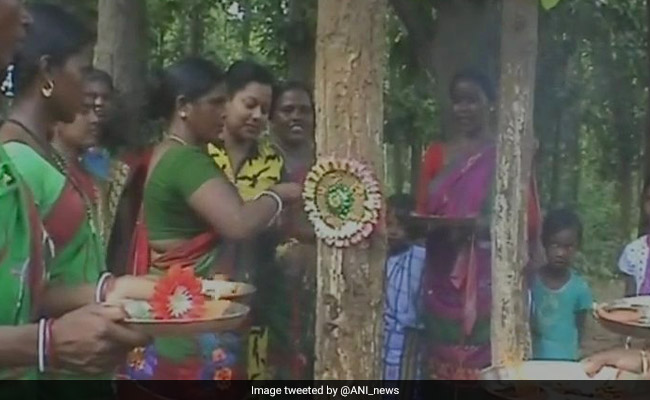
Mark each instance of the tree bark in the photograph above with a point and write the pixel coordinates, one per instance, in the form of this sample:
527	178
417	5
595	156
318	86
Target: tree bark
122	52
301	41
349	79
510	331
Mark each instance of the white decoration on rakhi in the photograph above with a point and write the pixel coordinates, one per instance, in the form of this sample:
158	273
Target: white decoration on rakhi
342	201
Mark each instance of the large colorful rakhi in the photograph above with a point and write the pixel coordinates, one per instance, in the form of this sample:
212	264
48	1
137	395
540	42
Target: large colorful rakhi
342	200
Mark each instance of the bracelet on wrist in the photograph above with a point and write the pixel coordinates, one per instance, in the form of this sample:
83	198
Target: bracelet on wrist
104	285
278	200
40	345
644	362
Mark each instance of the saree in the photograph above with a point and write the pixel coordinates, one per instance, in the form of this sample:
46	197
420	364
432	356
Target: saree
635	262
22	257
70	220
457	290
211	356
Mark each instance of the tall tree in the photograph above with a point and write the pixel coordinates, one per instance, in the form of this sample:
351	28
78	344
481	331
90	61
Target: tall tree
122	52
510	333
300	38
349	85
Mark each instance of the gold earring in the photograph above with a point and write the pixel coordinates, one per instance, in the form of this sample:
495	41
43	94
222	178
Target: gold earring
183	115
48	89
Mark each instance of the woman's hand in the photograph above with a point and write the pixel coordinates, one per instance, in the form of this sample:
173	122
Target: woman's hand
289	192
626	360
90	340
132	287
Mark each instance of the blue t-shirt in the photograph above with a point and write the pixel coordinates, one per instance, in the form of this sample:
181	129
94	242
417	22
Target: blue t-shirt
555	332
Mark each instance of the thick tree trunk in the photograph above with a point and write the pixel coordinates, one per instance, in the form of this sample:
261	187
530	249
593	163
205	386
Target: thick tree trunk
510	331
122	52
301	41
349	79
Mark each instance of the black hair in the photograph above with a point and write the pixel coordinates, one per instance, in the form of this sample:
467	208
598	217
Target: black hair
55	33
290	86
243	72
192	78
99	76
477	77
401	204
559	220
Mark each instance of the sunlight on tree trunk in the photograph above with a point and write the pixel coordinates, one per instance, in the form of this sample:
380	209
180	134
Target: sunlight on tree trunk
349	85
510	332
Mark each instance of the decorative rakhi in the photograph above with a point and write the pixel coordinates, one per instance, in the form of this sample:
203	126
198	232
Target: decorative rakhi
342	201
178	295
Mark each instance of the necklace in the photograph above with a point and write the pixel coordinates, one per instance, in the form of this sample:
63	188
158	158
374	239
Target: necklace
61	165
181	141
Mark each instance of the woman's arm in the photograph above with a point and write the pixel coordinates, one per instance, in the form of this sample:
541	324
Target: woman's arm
18	346
218	203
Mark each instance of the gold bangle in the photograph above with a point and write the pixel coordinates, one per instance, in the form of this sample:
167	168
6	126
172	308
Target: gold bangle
644	362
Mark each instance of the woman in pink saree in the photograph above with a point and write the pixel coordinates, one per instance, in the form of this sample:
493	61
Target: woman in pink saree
457	183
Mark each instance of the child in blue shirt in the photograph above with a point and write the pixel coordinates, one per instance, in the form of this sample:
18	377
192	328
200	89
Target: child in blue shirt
403	280
561	298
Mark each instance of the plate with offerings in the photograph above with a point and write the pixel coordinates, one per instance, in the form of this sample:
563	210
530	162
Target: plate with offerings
183	304
629	316
556	380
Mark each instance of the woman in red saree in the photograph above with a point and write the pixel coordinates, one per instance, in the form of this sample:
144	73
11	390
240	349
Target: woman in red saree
457	182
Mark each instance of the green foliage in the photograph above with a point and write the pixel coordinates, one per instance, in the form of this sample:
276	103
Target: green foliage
548	4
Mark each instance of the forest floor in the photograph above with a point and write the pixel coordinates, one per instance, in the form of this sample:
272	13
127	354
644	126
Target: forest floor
597	338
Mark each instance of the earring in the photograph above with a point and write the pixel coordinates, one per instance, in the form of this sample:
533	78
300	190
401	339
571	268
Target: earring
47	89
183	115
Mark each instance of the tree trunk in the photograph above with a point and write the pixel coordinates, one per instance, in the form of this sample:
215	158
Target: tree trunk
556	161
197	28
510	331
416	161
122	52
301	41
398	166
573	126
350	52
247	27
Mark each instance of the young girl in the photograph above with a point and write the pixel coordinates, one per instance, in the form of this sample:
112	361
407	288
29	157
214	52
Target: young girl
633	263
561	298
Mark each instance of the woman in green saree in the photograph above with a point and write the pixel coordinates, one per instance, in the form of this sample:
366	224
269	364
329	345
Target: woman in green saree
189	206
48	91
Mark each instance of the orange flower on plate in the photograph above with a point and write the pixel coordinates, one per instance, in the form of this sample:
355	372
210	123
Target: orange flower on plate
178	295
223	374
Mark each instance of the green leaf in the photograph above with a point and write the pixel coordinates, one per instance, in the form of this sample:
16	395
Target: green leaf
548	4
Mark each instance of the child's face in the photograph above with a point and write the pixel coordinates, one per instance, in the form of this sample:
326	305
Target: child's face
396	232
562	248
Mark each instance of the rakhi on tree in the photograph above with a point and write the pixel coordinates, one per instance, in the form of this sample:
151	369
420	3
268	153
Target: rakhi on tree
342	201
